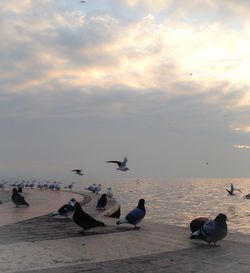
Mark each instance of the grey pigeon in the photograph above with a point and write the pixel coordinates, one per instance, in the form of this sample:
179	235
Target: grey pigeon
212	231
17	199
84	220
135	216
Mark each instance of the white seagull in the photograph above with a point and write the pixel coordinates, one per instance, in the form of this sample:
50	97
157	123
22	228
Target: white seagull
121	165
78	171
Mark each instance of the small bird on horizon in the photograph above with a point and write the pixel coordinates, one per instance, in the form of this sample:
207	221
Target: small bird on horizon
135	216
121	165
211	231
84	220
78	171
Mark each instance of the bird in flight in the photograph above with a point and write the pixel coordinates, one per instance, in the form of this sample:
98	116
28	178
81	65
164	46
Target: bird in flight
78	171
121	165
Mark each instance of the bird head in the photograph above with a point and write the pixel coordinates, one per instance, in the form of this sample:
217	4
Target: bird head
221	218
141	203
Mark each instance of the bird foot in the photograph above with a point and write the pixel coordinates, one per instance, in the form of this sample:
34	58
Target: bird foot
136	227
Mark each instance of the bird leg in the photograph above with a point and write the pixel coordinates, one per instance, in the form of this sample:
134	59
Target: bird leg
136	227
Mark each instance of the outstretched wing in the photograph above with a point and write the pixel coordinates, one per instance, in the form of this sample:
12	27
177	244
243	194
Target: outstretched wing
125	161
114	161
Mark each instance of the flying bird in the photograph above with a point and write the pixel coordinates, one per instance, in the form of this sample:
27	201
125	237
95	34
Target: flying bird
232	190
66	209
102	202
78	171
212	231
121	165
135	216
84	220
17	199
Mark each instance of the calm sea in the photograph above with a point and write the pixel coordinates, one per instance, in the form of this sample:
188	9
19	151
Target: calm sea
178	201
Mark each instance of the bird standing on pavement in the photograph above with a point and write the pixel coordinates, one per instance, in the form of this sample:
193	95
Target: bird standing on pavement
84	220
67	209
135	216
102	202
212	231
17	199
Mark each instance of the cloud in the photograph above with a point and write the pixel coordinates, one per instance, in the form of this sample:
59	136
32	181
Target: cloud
242	146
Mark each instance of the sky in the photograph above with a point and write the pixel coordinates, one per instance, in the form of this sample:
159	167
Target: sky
162	82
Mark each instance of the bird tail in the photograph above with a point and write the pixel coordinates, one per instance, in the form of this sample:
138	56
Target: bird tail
99	224
195	235
122	221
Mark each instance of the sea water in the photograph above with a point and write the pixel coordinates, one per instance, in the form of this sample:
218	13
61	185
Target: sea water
178	201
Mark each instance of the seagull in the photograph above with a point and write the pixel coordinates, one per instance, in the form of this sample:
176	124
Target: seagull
84	220
121	165
135	216
213	230
78	171
232	190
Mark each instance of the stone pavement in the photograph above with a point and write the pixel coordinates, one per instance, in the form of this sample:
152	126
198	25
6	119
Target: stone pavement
46	244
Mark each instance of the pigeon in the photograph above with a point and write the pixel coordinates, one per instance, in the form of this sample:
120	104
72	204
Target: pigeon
84	220
20	192
121	165
232	190
67	209
212	230
135	216
17	199
102	202
78	171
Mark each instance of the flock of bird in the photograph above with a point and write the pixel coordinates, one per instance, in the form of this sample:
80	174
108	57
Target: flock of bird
202	228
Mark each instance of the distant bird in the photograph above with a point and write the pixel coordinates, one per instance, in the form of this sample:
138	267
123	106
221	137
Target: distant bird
232	190
212	231
84	220
109	192
121	165
70	186
247	196
82	1
67	209
135	216
17	199
102	202
78	171
20	192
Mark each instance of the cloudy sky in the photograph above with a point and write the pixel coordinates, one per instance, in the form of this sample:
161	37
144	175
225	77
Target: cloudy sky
163	82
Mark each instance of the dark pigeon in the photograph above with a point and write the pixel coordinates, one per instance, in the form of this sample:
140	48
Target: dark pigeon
17	199
102	202
212	231
67	209
135	216
84	220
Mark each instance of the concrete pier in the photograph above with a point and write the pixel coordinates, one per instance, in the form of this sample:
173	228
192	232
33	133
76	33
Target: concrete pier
46	244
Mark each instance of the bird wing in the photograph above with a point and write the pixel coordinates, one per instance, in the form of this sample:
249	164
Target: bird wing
135	215
208	228
114	161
